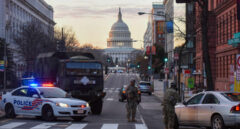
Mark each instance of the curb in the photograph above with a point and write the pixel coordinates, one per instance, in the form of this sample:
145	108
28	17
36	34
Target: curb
2	115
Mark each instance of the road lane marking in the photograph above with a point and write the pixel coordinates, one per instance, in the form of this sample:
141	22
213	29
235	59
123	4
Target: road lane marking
110	99
12	125
76	126
140	126
44	126
109	126
107	77
141	117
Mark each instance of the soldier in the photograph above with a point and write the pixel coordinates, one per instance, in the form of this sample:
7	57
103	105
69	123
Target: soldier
132	101
170	99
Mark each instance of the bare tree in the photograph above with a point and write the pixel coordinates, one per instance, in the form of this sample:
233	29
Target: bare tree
31	41
68	37
88	46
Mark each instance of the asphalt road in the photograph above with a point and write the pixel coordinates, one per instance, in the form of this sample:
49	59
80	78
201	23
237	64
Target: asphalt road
149	114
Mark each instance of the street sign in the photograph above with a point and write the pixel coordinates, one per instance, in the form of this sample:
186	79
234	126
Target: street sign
166	70
238	75
190	82
238	61
184	66
1	68
235	41
187	71
176	56
231	74
1	62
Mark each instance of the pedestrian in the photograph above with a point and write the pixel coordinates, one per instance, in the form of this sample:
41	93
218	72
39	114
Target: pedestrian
132	101
170	99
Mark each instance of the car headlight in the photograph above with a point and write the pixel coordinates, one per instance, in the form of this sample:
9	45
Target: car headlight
87	105
62	105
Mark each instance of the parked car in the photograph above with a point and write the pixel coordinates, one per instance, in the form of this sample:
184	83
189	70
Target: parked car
122	94
145	87
210	109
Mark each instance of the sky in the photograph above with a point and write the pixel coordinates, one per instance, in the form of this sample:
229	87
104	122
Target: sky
91	20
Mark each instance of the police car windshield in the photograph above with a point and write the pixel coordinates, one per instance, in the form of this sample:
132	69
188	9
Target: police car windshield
52	92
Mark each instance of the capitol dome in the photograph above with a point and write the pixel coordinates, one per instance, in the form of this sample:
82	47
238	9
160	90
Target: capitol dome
119	35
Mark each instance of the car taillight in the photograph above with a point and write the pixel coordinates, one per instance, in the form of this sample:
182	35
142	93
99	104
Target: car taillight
139	92
83	106
235	109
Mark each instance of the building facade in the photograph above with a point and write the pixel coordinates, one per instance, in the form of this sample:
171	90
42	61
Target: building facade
223	24
147	39
158	24
119	42
15	13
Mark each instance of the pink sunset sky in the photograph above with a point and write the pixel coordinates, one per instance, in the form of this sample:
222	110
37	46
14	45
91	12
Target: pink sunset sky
91	20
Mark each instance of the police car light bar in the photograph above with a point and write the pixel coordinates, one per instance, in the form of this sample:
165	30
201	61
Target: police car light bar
47	85
34	84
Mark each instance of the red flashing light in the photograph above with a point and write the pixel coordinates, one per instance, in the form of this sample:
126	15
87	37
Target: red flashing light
47	85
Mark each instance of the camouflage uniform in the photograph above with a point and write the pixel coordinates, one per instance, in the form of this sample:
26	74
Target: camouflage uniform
170	99
132	102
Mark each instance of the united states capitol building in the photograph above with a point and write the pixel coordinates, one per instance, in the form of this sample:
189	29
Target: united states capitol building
120	43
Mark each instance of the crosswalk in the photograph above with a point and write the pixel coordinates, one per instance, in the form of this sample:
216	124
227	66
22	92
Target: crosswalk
25	125
112	90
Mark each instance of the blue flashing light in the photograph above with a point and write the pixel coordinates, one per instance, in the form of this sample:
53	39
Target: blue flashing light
34	84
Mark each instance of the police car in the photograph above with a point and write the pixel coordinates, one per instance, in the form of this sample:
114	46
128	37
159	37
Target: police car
45	101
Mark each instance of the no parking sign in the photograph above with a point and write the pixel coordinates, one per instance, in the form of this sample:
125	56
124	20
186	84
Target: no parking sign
238	61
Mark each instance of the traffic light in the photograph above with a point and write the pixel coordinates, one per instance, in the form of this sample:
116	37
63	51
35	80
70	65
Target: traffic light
108	60
165	59
149	67
138	66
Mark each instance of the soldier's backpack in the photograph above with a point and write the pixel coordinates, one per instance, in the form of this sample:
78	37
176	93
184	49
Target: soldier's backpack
131	93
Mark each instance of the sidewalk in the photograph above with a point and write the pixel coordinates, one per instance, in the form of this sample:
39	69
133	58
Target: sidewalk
159	90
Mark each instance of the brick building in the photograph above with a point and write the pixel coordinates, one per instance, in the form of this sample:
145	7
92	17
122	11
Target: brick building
222	24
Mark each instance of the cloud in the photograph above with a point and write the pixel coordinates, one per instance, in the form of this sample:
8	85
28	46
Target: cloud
83	11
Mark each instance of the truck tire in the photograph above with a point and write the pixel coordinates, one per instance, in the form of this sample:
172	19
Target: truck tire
96	107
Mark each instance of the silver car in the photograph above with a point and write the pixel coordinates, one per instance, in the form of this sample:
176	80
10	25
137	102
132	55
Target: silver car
216	110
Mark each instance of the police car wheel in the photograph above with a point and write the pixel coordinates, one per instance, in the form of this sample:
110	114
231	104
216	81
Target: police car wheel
9	111
78	118
47	113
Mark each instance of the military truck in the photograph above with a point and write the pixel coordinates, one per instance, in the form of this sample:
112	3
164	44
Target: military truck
77	73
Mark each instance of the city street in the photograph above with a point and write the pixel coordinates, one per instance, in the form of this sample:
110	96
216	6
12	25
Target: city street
113	116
